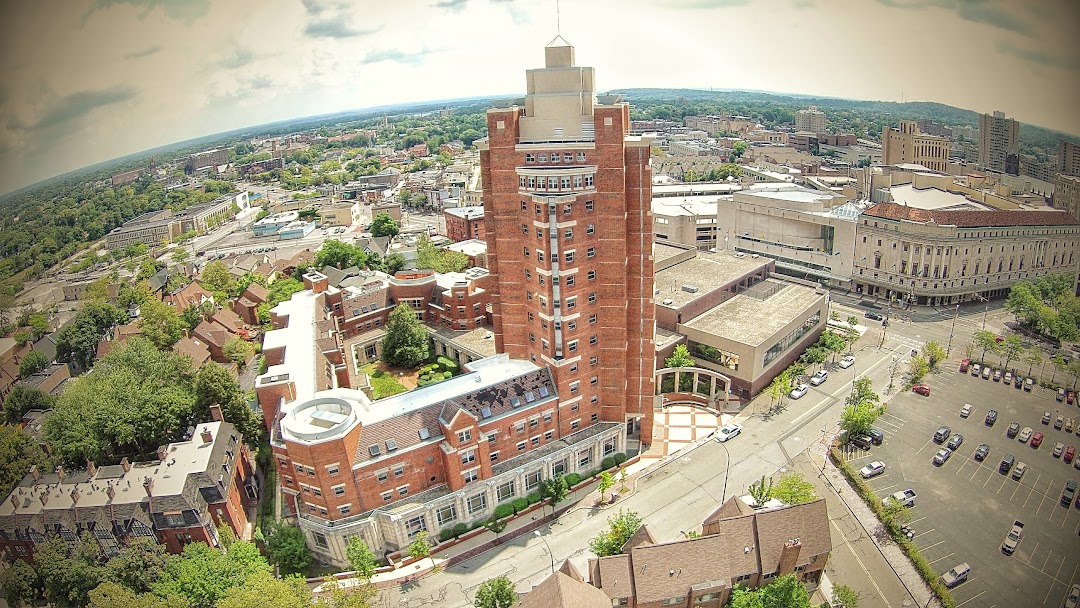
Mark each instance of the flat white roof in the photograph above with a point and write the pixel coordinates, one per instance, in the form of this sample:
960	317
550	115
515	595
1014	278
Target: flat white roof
692	206
298	338
932	198
792	194
473	247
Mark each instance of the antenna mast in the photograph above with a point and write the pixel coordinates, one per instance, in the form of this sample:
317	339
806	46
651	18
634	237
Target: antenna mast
557	18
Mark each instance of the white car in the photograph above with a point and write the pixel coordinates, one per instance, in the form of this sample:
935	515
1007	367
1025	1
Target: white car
799	391
966	410
1074	597
847	361
727	432
873	469
819	377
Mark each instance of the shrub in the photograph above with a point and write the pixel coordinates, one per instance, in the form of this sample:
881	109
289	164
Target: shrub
446	534
533	498
620	458
477	524
573	479
448	364
520	504
460	529
503	511
607	463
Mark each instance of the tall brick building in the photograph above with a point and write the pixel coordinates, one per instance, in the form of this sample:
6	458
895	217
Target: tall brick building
567	195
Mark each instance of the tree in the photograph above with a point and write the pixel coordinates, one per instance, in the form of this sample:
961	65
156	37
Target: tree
138	565
340	255
760	491
262	590
288	549
497	592
394	263
783	592
815	355
32	363
857	419
406	340
894	512
112	595
621	527
554	490
420	546
845	597
216	278
852	320
205	574
918	368
77	341
384	225
68	576
148	269
496	525
428	256
336	596
1059	365
238	350
987	341
607	481
777	389
680	357
180	255
18	452
214	384
20	582
1074	370
793	489
1033	357
1011	348
832	342
738	149
39	326
160	323
935	354
863	393
361	558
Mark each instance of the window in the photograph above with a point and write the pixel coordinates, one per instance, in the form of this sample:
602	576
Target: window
505	491
569	256
594	399
547	416
571	302
593	361
553	183
574	386
415	525
306	489
445	515
530	157
532	479
525	251
580	157
320	540
522	181
494	457
534	422
345	509
477	503
592	275
524	229
609	446
403	490
382	475
471	475
568	157
568	233
572	346
564	182
592	319
590	229
468	457
588	181
592	296
548	435
569	280
539	256
593	380
338	490
592	339
399	470
588	205
591	252
316	491
594	417
673	601
571	325
535	441
520	426
288	480
491	438
575	425
464	435
708	597
386	496
521	446
543	158
299	468
174	519
332	469
577	182
540	235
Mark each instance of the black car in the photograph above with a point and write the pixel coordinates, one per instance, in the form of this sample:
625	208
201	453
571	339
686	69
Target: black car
1018	382
991	417
982	452
870	314
1014	428
876	436
862	441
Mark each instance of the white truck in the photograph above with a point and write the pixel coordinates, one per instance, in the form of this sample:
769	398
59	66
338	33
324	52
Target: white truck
1012	539
904	497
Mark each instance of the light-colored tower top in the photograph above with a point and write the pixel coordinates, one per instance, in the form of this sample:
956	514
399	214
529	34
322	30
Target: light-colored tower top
559	98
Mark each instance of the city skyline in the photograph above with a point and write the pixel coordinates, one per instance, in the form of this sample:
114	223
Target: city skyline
105	78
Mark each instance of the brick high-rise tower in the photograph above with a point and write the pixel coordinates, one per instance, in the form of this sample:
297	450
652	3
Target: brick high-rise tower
567	194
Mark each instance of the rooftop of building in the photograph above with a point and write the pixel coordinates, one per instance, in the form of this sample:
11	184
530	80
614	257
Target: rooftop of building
688	206
665	251
479	342
470	247
934	199
758	313
796	195
285	217
971	219
686	281
471	212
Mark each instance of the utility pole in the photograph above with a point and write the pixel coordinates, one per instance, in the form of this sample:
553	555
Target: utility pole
952	331
986	308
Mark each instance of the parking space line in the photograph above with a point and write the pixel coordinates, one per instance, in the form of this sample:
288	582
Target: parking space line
961	468
928	442
987	480
915	521
884	488
1018	486
924	533
1004	478
927	548
1043	569
974	474
1051	589
1032	556
1042	500
971	598
1032	490
932	562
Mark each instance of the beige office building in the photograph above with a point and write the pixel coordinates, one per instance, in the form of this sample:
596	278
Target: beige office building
935	257
811	119
908	145
998	139
1067	194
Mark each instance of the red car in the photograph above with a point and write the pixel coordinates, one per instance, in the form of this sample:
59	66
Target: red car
1036	440
1070	398
1070	453
964	365
922	389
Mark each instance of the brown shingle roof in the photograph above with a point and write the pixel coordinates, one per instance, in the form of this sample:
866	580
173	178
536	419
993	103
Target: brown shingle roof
613	575
809	522
193	348
971	219
562	591
256	293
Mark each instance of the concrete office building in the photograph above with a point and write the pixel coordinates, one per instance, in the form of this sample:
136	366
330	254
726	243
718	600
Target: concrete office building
151	228
688	220
998	141
566	202
1068	158
1067	194
810	119
938	257
907	145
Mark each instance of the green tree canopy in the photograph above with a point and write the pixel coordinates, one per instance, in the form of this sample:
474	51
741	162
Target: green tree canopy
497	592
857	419
430	257
69	576
24	398
262	590
680	357
18	452
205	574
406	340
783	592
160	323
934	353
361	558
20	582
340	255
384	225
32	363
793	489
288	549
214	384
216	278
621	526
238	350
77	341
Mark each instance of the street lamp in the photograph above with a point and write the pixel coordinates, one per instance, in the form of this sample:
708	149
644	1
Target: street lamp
952	331
551	555
986	308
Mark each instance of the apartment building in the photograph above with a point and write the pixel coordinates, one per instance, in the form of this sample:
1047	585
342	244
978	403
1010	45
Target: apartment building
938	257
208	158
1067	194
152	228
908	145
810	119
689	220
1068	158
420	461
190	491
566	201
999	143
464	223
345	214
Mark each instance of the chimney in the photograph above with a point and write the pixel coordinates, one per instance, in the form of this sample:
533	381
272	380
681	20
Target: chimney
162	452
35	472
14	501
60	472
207	436
148	485
75	494
91	468
789	557
215	412
44	497
125	464
110	492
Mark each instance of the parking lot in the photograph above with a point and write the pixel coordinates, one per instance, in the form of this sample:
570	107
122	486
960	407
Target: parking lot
965	507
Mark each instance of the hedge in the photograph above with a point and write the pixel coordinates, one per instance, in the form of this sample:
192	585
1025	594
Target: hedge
533	498
448	364
572	479
503	511
520	504
619	458
910	549
607	463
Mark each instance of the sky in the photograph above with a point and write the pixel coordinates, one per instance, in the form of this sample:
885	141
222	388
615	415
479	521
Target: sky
83	81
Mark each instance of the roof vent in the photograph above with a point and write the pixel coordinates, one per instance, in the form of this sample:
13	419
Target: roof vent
374	450
529	397
424	433
690	288
391	445
668	302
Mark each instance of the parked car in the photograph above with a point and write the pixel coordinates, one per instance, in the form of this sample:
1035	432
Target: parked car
1013	429
1019	471
1061	394
966	410
1069	454
1018	382
991	418
981	452
976	369
906	497
955	441
964	365
1029	384
942	434
1074	597
1069	425
1036	440
727	432
1046	417
1059	422
1006	463
872	470
986	373
921	389
1070	397
1024	435
847	362
862	441
1007	378
942	456
819	377
870	314
876	436
1058	449
956	575
799	391
997	375
1068	493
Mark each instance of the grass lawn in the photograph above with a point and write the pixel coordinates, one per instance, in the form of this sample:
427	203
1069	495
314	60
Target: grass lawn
383	384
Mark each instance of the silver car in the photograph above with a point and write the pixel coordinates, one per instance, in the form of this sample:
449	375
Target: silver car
799	391
1024	435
